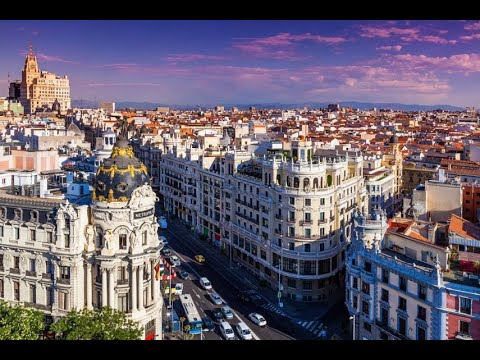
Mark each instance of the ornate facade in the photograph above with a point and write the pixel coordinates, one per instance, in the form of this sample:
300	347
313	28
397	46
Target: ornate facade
60	256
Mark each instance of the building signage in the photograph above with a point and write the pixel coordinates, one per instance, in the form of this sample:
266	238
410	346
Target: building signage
142	214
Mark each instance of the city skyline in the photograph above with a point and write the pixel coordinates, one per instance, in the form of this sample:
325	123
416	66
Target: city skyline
186	62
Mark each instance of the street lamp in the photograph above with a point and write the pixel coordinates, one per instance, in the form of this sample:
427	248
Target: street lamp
353	327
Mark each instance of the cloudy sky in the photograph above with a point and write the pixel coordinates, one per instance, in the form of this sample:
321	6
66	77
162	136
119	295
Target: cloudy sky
195	62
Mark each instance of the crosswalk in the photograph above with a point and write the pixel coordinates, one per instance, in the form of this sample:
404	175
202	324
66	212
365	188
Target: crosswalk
314	326
272	308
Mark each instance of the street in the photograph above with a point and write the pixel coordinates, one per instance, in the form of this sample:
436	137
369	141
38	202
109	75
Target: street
224	283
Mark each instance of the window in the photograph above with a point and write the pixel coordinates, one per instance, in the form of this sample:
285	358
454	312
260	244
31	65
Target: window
367	327
291	231
385	295
422	292
464	328
291	201
121	273
1	260
16	262
308	202
49	237
67	240
292	283
368	266
365	307
355	283
402	326
322	217
1	288
123	302
144	237
33	235
1	230
308	217
403	283
263	254
32	264
385	276
322	246
384	316
402	303
122	241
16	291
421	333
354	301
465	305
422	313
63	300
322	201
291	216
306	248
365	288
291	246
307	232
307	285
65	272
17	233
33	294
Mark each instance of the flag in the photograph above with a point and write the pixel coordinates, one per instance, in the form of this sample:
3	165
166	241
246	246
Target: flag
157	270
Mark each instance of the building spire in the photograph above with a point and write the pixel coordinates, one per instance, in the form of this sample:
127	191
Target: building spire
30	52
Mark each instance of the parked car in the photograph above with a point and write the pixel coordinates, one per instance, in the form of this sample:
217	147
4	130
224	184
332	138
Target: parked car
200	258
163	240
244	331
174	261
162	221
217	314
227	331
166	252
177	289
183	275
208	324
227	312
205	283
216	299
257	319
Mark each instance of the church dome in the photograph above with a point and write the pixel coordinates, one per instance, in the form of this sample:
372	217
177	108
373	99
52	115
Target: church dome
119	175
56	105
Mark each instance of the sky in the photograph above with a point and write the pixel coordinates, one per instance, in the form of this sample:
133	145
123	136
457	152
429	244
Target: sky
239	62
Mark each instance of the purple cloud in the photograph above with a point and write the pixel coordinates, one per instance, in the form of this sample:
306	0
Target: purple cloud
390	48
470	37
406	34
193	57
473	26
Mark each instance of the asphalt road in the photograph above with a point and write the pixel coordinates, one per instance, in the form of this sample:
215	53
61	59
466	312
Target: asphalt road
225	282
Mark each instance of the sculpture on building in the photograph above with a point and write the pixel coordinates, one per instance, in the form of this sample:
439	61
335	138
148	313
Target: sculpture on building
133	239
108	236
89	236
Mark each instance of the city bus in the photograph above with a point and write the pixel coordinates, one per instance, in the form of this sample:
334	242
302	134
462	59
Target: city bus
191	313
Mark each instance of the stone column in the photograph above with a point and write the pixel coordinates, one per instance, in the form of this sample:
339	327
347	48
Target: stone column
104	288
111	288
154	282
133	287
89	286
140	287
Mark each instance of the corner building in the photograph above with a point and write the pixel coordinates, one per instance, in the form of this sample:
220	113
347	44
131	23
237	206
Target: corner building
56	256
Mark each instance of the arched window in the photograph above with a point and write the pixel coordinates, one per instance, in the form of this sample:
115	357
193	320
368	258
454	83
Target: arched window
321	182
289	184
329	180
315	183
306	183
279	179
296	182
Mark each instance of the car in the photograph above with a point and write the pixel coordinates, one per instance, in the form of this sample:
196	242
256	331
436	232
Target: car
205	283
163	240
183	275
227	312
208	324
216	299
174	261
200	258
162	221
257	319
226	331
217	314
166	252
161	268
244	331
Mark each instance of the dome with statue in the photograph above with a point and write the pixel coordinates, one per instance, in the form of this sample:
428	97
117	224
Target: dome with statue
119	175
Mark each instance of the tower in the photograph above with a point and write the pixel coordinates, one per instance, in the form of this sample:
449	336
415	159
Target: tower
30	72
394	160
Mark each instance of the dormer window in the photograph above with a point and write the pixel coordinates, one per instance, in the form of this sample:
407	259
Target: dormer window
18	214
34	216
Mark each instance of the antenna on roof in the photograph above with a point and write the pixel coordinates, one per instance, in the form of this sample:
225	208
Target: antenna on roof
30	52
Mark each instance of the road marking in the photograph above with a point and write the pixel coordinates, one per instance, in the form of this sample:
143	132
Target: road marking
309	324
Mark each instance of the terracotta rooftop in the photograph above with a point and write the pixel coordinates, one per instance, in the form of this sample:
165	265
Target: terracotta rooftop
464	228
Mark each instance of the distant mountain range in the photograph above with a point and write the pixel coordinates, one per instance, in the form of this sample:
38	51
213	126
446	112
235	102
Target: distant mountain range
310	105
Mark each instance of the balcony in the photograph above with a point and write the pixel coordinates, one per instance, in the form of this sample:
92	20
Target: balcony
246	217
291	220
122	282
306	222
389	330
14	271
47	276
38	306
463	336
332	218
278	232
322	221
31	273
279	217
63	281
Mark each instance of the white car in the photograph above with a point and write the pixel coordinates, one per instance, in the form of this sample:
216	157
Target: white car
163	240
244	331
205	283
162	221
174	261
227	331
257	319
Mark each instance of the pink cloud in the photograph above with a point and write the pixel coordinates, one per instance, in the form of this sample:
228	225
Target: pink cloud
470	37
268	47
390	48
466	63
51	58
473	26
406	34
193	57
94	84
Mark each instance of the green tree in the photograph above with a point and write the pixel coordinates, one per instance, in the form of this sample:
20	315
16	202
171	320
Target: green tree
98	324
20	323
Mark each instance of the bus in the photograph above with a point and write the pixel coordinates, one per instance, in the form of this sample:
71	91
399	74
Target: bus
191	313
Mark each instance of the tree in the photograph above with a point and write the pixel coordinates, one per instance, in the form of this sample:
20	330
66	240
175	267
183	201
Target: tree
476	266
98	324
20	323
